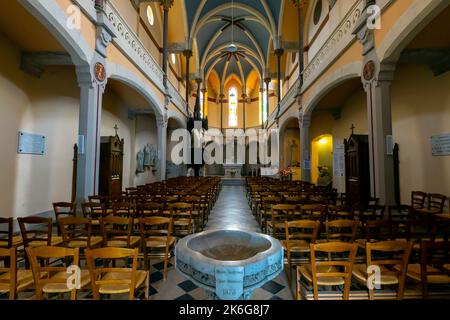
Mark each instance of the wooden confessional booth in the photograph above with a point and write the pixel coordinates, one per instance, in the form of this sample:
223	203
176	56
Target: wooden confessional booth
111	166
357	170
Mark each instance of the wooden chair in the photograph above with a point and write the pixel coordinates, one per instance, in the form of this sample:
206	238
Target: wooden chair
94	211
418	199
280	214
340	212
436	203
196	211
156	233
299	234
64	209
417	231
391	257
77	233
341	230
150	209
37	232
118	232
182	217
265	212
379	230
54	279
7	238
329	270
12	280
314	212
434	266
116	280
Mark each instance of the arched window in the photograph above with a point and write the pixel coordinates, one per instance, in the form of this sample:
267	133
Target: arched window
150	16
264	105
202	103
233	107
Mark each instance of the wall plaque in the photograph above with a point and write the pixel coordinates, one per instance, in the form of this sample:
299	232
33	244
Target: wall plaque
31	143
440	145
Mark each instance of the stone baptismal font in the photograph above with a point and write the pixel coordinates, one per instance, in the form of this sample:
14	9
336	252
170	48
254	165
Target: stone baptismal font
229	264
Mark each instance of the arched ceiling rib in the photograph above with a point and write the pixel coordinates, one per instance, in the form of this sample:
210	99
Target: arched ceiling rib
255	31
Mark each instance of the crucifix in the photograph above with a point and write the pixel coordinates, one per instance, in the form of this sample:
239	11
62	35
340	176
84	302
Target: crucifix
352	128
116	128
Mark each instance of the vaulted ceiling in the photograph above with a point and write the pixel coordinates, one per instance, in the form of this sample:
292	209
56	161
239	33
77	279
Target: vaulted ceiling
253	26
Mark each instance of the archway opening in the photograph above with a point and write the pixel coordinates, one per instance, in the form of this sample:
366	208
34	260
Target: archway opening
322	160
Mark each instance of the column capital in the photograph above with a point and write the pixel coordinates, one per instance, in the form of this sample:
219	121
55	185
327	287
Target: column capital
267	80
279	52
304	120
162	121
105	33
299	3
166	4
187	53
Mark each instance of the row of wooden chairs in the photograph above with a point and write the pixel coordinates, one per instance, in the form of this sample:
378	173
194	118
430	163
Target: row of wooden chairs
48	278
387	264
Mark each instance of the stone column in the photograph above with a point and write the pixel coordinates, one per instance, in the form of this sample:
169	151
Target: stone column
166	4
261	90
244	97
89	127
304	123
267	81
278	53
377	78
162	122
377	85
92	81
188	55
221	111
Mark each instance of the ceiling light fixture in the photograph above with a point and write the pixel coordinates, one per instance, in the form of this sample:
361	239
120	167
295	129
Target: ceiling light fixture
232	47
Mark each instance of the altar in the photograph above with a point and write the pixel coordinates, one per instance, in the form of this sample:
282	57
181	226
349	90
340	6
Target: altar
233	170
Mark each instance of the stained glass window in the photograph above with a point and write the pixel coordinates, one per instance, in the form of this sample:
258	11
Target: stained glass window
264	106
232	107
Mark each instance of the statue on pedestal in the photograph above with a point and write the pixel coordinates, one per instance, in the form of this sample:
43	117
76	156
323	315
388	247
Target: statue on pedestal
140	161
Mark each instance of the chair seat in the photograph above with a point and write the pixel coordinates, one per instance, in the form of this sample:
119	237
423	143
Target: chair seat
121	241
24	280
296	245
277	225
360	273
182	222
61	287
17	241
159	242
121	288
427	211
415	269
56	241
306	272
81	242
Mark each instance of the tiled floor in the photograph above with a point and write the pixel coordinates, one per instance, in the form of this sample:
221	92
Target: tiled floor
231	211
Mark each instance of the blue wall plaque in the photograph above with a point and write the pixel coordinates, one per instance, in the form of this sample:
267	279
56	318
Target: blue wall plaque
31	143
440	145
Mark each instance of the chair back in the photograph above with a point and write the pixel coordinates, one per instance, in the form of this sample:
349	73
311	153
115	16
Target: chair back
93	210
75	229
9	284
43	273
332	264
436	202
113	227
123	277
418	199
36	230
341	230
124	209
148	209
307	230
6	232
381	230
155	227
392	257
